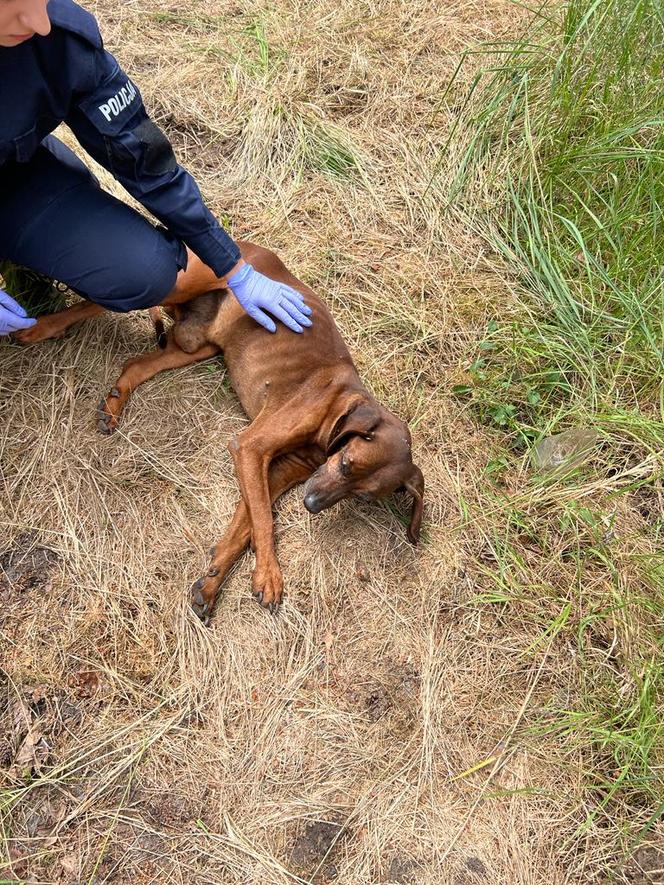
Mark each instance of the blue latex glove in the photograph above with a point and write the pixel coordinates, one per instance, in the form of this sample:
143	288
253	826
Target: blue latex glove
258	294
12	315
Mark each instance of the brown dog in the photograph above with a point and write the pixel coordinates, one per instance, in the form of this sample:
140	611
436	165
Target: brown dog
312	419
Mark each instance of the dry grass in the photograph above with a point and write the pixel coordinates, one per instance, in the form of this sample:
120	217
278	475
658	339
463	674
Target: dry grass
390	725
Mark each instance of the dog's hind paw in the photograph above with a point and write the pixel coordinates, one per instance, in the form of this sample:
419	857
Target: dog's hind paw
41	331
107	423
201	608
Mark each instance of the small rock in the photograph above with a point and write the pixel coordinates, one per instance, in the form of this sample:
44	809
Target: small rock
568	449
476	866
401	871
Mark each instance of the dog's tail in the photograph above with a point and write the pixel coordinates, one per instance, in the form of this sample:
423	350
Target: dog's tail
158	322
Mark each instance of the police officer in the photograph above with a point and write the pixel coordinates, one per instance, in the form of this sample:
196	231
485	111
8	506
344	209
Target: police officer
55	219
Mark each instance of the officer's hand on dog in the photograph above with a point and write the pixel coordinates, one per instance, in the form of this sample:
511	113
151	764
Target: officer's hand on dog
12	315
259	295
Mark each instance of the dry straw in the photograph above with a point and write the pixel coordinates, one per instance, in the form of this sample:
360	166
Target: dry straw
346	739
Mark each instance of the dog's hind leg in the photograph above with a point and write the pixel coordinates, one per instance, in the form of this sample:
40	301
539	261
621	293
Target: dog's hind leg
140	369
54	325
285	472
159	330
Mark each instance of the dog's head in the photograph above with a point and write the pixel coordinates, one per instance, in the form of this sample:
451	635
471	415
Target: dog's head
368	457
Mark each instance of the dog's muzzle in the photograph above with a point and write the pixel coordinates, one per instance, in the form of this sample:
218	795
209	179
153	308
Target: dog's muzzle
319	499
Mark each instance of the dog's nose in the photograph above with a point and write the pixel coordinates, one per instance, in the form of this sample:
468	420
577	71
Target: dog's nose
311	503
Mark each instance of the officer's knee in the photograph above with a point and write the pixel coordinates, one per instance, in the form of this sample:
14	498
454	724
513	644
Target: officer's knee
141	282
156	283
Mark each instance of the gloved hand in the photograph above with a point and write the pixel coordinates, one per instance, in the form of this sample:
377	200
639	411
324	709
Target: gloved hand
12	315
258	293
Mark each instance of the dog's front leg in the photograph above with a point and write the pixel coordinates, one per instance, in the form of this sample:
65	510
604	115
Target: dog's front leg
253	450
252	457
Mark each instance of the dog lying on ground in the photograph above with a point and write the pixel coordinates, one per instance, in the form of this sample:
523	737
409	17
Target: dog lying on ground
312	420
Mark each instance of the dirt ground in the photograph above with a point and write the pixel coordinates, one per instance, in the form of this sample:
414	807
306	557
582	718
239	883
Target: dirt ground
377	730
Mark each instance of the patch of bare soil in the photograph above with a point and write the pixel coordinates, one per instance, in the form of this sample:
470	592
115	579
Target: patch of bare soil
25	566
646	866
312	854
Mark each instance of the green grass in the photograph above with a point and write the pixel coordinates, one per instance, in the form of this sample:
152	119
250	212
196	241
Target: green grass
35	293
568	135
561	171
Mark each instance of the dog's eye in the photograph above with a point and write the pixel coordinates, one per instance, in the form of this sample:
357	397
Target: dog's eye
346	465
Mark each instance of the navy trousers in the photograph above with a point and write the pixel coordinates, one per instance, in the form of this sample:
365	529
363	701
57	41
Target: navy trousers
56	220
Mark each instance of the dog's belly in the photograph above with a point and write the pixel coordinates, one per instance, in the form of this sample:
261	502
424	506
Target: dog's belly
265	366
271	383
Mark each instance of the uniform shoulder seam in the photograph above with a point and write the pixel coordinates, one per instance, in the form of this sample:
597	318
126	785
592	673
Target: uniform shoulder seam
69	16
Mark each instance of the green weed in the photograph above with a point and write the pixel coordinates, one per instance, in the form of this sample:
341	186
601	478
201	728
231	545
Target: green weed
561	171
568	135
37	294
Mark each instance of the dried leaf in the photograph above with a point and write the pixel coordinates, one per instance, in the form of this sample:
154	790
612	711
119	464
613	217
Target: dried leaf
31	754
85	682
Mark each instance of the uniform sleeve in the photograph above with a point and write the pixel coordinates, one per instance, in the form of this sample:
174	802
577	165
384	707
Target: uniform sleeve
111	123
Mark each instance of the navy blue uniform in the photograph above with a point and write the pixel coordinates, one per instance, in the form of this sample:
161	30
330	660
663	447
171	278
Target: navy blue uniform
53	216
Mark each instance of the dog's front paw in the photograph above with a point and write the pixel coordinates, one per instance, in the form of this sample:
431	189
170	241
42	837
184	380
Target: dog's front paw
268	586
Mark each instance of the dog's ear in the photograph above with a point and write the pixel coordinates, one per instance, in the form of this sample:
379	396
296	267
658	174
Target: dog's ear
360	420
415	486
